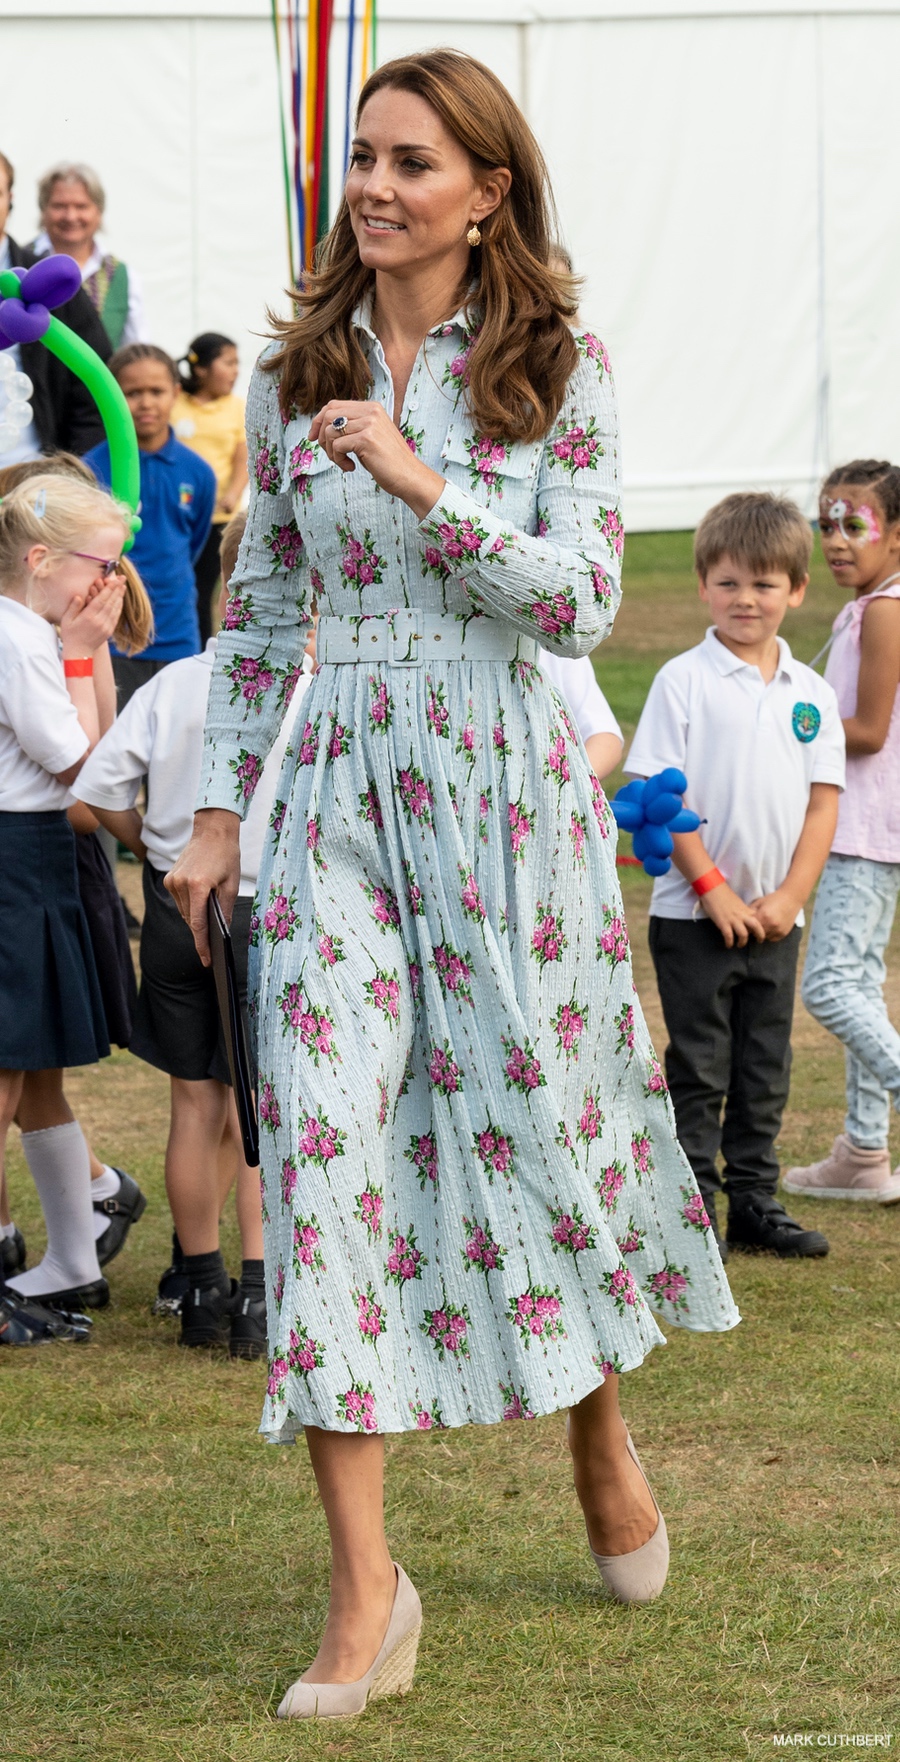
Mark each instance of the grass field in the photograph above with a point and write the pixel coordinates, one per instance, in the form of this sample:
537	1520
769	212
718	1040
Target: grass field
163	1573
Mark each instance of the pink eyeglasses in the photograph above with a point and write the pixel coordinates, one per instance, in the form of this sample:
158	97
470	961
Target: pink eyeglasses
108	565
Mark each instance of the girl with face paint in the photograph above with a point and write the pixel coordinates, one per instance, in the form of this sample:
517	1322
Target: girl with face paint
859	520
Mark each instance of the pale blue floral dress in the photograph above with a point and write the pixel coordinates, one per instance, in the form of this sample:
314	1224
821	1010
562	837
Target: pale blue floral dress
473	1196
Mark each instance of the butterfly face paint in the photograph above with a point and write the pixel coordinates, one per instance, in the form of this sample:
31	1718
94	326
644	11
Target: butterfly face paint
857	526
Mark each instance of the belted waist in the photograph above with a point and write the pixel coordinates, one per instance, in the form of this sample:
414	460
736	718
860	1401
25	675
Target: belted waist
408	637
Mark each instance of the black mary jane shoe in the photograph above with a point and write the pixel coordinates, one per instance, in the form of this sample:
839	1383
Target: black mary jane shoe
128	1205
92	1296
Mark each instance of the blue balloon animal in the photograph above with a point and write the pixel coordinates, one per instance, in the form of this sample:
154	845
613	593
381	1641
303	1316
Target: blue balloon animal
651	809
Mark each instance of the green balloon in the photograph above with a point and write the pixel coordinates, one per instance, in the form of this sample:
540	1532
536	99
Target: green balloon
85	363
124	457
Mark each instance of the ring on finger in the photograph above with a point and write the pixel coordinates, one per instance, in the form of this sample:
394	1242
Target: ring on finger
340	423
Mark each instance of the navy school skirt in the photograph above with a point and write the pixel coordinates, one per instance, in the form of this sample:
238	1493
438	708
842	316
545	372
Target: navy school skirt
51	1009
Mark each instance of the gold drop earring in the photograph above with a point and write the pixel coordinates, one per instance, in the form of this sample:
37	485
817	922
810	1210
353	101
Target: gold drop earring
473	236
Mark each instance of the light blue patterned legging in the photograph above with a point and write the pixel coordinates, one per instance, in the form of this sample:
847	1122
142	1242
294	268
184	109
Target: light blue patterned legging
843	987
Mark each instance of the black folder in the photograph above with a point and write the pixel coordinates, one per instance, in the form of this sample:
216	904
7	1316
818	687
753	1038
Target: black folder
234	1027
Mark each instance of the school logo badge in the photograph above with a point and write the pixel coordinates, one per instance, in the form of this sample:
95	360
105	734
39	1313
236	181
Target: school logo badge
806	721
185	494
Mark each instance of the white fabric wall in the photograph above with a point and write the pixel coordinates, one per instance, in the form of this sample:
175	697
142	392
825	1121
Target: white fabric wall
726	183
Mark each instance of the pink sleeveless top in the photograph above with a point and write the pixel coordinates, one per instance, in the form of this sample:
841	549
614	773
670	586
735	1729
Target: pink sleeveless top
869	814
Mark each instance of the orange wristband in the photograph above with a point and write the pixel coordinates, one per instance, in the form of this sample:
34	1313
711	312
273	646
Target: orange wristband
706	883
79	669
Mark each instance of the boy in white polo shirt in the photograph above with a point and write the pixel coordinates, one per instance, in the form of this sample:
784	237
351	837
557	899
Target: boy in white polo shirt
760	739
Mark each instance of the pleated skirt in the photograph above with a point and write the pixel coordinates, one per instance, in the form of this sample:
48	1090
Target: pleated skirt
51	1007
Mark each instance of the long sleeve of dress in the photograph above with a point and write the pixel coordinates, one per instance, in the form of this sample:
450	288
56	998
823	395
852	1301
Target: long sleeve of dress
260	647
562	584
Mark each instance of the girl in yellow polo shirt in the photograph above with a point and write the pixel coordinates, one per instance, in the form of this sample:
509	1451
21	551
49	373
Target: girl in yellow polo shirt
209	418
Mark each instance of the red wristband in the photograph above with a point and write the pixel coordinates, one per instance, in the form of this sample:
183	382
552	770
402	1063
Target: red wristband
706	883
79	669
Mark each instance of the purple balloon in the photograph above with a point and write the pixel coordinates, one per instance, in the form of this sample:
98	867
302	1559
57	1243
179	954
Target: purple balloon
21	323
52	281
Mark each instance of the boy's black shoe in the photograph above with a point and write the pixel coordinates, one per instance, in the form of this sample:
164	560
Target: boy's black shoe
124	1210
759	1224
206	1315
249	1338
13	1253
710	1205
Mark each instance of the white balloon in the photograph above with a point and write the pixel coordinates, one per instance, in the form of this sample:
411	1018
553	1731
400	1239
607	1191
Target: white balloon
9	438
18	414
7	366
18	385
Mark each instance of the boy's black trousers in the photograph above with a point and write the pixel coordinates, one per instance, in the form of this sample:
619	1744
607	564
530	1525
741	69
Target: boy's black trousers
728	1013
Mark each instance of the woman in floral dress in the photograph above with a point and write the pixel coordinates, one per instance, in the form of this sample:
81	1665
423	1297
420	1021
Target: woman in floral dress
474	1201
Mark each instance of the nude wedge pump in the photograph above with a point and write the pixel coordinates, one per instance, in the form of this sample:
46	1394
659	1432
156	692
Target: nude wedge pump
391	1673
637	1577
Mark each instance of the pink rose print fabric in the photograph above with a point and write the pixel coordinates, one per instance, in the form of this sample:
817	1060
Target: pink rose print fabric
475	1204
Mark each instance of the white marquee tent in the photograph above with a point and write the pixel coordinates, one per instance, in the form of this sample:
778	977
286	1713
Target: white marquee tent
727	172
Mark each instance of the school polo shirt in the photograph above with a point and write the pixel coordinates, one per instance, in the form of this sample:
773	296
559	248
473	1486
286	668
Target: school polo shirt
750	752
40	733
576	682
178	493
159	734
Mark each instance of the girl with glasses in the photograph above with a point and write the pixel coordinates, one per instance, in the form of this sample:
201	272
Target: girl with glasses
64	592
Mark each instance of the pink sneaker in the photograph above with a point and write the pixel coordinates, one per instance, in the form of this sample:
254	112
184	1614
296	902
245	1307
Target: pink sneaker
848	1173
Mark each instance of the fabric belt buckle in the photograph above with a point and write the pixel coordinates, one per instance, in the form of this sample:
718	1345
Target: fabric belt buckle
406	637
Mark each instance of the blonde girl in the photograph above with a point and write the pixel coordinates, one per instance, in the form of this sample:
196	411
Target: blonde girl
65	590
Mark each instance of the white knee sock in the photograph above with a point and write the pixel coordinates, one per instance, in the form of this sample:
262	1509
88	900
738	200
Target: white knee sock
61	1170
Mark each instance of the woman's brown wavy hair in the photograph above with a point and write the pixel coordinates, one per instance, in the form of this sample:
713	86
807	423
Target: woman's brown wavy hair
524	351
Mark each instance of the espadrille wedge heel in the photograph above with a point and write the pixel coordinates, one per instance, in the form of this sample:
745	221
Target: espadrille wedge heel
391	1673
637	1577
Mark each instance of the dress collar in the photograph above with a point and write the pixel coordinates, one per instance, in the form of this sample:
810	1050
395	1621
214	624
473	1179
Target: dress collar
362	320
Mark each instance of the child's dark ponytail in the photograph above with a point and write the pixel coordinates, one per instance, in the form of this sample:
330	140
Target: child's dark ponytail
202	352
877	474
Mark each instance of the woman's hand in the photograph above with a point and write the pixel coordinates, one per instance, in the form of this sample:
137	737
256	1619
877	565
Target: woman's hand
90	619
212	861
379	445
